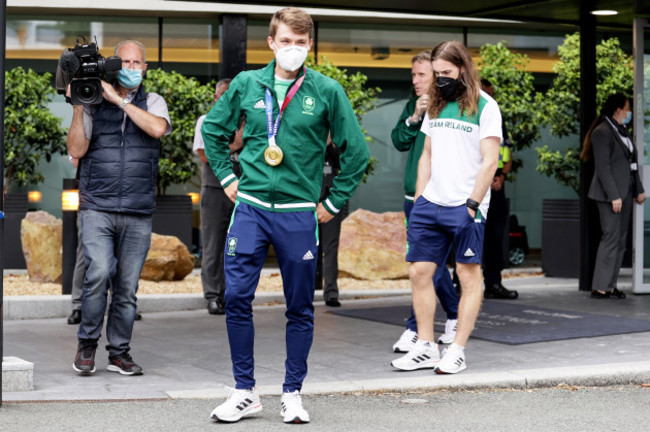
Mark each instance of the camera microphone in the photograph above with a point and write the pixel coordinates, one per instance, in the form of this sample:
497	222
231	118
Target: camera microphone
69	62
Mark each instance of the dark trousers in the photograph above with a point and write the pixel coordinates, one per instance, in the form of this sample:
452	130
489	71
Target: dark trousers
216	210
293	236
329	242
612	244
495	226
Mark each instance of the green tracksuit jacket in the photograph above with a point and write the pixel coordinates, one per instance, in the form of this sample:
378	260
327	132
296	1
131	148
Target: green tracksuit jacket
320	106
410	139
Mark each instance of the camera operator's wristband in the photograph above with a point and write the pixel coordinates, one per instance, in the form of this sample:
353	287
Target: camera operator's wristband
470	203
124	103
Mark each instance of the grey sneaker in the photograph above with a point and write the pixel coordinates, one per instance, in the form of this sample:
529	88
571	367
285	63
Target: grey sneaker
123	364
84	361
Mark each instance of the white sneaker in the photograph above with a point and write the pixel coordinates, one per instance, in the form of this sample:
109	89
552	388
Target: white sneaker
240	403
450	332
406	342
453	360
422	356
292	409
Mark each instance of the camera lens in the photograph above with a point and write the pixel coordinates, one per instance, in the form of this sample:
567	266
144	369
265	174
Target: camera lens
87	92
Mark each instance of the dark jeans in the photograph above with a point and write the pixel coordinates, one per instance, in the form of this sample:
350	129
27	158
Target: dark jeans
115	247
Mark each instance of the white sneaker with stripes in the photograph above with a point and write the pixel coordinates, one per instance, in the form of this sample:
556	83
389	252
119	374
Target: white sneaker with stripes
424	355
406	342
240	403
292	410
453	360
450	332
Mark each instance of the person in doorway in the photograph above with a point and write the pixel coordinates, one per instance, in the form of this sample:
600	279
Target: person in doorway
289	111
407	137
216	210
330	232
497	218
615	186
459	158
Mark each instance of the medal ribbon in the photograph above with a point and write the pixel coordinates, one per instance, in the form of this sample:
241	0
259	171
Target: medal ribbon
271	126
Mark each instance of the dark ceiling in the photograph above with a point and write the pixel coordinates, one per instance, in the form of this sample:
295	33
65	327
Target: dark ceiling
539	11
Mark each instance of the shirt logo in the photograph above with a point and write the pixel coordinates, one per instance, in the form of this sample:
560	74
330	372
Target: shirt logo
260	104
232	245
308	105
308	256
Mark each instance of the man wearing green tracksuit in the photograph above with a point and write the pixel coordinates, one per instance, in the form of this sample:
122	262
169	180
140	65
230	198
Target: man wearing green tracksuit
289	112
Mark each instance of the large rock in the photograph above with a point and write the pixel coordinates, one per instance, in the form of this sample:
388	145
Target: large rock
41	235
373	245
168	259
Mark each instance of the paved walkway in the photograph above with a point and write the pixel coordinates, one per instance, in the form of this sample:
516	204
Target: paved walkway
185	353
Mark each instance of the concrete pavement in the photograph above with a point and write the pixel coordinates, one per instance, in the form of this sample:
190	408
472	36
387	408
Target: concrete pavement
185	353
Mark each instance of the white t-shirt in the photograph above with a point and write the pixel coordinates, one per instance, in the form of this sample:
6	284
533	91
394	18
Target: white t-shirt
456	151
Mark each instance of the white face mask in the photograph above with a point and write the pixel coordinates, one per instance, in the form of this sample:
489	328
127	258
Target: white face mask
290	58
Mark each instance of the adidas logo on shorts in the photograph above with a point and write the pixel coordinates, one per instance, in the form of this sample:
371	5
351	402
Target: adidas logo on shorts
308	256
469	253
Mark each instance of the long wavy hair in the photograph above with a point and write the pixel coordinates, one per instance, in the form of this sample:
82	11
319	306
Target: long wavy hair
613	102
457	54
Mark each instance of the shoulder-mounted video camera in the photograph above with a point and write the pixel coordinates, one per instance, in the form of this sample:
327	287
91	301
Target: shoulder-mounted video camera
83	67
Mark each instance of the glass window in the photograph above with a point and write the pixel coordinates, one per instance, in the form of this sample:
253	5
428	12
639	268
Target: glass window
44	38
540	48
194	41
378	46
257	48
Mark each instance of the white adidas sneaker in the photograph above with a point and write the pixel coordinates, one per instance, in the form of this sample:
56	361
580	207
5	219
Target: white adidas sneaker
424	355
450	332
292	410
240	403
406	342
453	360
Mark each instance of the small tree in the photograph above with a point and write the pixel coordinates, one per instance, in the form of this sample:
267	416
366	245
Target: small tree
187	99
560	105
362	98
514	91
31	131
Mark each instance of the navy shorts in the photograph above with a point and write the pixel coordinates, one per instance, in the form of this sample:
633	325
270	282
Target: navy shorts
434	228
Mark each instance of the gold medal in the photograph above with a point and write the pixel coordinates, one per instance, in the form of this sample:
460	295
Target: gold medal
273	155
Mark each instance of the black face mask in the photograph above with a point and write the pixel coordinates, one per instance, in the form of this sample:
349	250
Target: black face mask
450	88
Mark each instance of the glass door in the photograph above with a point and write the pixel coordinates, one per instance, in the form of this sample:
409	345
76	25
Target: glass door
641	112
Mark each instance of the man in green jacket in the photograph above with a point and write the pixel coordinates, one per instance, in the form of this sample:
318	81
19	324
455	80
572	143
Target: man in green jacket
289	112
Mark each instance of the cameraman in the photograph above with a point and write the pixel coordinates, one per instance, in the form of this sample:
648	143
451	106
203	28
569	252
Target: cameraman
117	143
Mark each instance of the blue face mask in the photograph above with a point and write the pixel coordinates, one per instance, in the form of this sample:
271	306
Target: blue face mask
129	78
627	118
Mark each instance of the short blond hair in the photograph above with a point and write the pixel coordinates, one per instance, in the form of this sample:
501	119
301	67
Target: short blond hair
422	56
296	19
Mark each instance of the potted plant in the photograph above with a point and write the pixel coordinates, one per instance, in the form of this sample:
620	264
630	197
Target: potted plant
31	134
560	108
187	99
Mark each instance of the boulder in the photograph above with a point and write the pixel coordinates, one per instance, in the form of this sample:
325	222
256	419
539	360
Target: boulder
41	236
168	259
373	246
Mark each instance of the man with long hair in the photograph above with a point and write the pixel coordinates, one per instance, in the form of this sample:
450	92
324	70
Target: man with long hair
407	137
460	155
